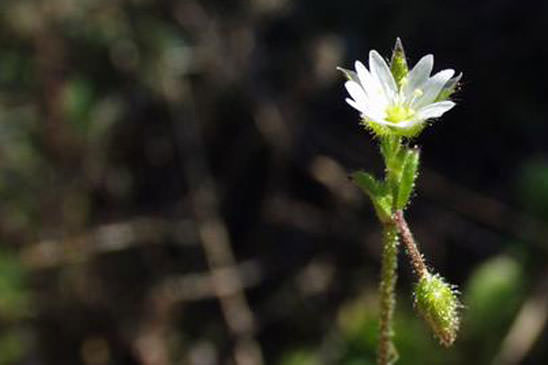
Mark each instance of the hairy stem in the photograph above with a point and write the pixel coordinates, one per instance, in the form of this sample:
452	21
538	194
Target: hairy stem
386	351
407	237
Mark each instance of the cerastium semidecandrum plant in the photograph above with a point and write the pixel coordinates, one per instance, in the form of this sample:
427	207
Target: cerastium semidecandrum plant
395	104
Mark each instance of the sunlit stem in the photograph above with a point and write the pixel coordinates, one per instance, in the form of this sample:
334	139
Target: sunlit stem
387	353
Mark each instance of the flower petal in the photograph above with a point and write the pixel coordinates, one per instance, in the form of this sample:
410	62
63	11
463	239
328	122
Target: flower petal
371	86
419	74
360	101
362	72
365	111
366	80
355	91
381	71
431	88
359	107
435	110
374	105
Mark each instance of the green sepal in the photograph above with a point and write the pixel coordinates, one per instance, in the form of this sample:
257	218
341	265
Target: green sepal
349	74
398	63
376	129
408	177
380	130
449	88
380	197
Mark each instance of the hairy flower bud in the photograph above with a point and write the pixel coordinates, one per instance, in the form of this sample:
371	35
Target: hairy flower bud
437	302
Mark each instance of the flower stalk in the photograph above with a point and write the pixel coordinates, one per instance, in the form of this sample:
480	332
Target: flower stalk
395	104
413	252
387	353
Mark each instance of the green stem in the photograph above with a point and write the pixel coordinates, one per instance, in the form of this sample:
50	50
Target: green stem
387	353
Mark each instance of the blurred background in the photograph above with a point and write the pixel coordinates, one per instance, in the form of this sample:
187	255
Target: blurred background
173	182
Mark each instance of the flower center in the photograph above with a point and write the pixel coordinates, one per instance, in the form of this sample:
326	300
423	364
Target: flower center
399	113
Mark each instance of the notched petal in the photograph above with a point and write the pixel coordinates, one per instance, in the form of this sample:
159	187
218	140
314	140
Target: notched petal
431	88
419	74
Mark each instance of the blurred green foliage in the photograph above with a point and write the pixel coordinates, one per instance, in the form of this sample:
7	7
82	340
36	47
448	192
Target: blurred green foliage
15	307
533	187
14	298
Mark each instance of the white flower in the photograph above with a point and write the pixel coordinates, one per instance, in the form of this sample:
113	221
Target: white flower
404	109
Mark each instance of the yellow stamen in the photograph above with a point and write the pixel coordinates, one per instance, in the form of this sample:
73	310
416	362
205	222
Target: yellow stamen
399	113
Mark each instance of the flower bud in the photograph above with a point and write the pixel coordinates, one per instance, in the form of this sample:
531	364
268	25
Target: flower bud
438	304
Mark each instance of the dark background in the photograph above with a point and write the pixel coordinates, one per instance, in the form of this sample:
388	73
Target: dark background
173	182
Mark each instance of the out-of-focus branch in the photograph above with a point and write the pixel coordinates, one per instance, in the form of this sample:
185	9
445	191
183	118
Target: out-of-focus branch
198	286
483	209
212	229
107	238
150	344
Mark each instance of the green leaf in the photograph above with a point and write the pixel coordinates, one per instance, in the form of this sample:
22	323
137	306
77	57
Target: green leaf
378	193
398	63
371	186
408	177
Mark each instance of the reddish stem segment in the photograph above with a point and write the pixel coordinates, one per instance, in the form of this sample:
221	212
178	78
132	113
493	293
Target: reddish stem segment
407	238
